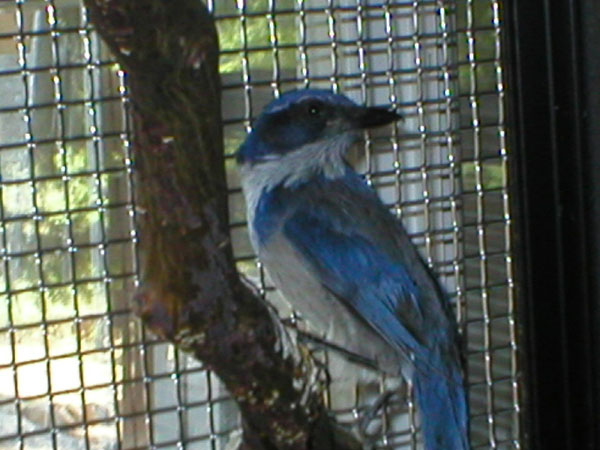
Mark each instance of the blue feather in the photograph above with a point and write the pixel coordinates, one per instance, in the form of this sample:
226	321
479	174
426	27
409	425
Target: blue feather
356	272
442	403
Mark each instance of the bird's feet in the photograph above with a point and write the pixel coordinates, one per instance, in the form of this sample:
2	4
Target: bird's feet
365	430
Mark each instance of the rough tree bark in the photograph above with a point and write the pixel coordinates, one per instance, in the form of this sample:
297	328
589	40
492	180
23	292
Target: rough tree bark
191	293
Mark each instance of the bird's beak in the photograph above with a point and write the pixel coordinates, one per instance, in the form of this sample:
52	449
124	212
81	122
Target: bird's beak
373	117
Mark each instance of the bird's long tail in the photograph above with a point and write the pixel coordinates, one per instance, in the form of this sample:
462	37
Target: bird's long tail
442	401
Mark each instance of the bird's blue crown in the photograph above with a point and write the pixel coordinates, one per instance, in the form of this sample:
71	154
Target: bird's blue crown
294	119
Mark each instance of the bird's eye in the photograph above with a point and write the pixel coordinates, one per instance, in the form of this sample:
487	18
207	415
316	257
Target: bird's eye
314	110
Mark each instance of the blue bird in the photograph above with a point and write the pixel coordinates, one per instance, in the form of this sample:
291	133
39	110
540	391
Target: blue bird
342	259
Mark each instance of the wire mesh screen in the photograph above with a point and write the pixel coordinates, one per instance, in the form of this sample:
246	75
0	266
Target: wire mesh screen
77	370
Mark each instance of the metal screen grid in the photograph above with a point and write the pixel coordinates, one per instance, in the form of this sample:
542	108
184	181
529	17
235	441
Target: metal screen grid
482	270
490	325
453	194
338	48
50	408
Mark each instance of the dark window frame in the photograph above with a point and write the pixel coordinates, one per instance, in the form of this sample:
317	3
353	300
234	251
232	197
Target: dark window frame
553	80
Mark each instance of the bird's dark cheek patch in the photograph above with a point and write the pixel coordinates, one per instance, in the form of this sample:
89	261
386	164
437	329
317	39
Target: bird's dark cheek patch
291	135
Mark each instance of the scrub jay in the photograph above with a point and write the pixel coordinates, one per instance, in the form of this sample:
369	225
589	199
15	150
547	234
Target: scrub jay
341	258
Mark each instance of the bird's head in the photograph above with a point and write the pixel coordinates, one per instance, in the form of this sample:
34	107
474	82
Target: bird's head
300	118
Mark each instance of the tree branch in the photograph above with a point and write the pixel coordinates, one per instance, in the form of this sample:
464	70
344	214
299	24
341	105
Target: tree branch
191	293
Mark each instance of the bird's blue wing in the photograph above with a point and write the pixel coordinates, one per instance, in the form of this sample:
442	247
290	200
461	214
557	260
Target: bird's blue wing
351	241
358	274
361	254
